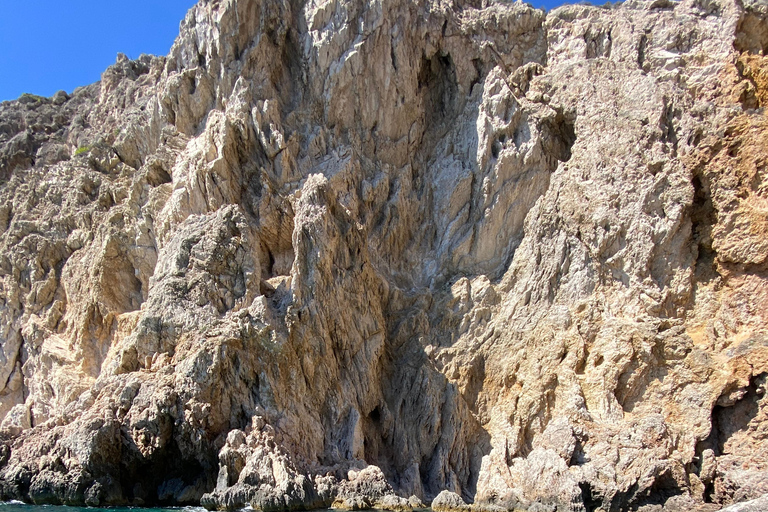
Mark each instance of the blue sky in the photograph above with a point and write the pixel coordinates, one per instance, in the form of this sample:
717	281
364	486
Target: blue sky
50	45
551	4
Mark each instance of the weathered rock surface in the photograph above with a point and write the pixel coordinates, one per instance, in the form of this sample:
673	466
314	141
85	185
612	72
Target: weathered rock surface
363	254
448	501
757	505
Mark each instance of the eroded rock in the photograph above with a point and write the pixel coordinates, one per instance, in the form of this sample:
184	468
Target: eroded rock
360	254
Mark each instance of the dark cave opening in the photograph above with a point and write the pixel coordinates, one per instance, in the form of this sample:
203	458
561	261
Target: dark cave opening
559	136
375	415
664	487
590	499
703	217
732	416
160	480
157	174
440	88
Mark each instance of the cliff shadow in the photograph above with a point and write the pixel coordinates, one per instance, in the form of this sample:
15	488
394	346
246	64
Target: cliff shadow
423	435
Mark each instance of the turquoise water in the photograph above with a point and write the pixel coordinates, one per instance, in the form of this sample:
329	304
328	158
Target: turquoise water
20	507
16	506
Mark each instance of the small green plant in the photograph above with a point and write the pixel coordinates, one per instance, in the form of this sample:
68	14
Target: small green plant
82	149
31	98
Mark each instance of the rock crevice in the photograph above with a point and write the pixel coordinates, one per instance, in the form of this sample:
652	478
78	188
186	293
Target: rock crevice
360	254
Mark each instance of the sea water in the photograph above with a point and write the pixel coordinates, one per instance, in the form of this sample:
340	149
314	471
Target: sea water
17	506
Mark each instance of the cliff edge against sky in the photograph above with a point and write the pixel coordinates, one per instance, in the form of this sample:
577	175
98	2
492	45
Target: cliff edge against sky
360	252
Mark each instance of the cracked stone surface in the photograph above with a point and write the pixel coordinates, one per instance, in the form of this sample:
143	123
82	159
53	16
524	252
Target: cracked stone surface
370	254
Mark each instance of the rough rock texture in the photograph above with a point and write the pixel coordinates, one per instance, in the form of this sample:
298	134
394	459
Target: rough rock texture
758	505
448	501
360	253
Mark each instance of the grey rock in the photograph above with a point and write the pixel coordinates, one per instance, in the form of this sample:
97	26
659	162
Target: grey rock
448	501
342	252
756	505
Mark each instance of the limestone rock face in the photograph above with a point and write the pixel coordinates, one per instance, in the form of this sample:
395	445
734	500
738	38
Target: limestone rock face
756	505
360	254
448	501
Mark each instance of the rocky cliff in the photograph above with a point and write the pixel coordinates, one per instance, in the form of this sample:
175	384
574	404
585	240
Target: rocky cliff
347	252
